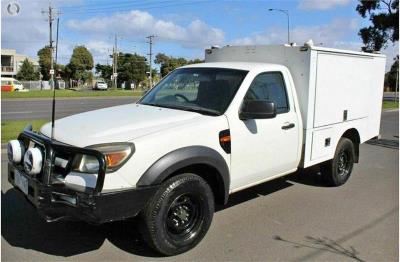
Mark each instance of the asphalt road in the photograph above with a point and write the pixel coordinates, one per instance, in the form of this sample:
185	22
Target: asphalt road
295	218
23	109
18	109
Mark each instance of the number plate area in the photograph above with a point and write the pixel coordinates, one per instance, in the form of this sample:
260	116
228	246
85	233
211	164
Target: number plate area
21	181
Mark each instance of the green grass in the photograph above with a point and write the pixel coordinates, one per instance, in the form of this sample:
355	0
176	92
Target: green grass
11	129
69	93
390	105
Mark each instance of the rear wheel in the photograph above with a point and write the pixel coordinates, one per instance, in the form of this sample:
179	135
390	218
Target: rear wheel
179	215
337	171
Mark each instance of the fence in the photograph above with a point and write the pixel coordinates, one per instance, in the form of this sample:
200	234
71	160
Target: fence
35	85
42	85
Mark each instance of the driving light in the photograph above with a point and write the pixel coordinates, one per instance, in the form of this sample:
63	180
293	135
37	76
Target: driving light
33	160
15	151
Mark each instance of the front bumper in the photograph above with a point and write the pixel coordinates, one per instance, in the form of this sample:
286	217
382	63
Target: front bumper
55	201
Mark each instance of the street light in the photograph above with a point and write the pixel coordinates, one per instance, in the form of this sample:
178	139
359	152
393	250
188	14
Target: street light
286	12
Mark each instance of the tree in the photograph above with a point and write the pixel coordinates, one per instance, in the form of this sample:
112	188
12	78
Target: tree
44	55
390	77
105	71
169	63
384	16
80	64
27	71
131	68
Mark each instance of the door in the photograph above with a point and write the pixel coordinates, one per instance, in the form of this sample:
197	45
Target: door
264	148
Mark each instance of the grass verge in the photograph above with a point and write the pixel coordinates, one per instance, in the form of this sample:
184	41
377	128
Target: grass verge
390	105
69	93
11	129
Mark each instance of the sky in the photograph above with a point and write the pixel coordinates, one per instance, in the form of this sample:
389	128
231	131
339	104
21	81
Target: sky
183	28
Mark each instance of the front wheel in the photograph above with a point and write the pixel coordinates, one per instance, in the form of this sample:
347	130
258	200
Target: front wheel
179	215
337	171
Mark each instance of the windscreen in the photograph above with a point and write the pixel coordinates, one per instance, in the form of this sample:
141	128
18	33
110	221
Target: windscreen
203	90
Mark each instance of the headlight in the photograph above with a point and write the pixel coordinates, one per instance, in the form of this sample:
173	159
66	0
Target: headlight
85	164
116	155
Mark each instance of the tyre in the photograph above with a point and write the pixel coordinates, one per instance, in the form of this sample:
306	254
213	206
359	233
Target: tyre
337	171
179	215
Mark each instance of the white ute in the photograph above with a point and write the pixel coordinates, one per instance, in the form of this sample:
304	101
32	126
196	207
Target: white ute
247	115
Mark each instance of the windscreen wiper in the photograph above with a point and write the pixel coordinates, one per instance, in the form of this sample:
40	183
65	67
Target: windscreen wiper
200	110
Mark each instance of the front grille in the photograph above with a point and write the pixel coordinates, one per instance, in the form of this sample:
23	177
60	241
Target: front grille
58	159
62	166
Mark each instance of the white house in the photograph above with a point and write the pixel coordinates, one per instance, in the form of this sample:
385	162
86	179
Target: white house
11	62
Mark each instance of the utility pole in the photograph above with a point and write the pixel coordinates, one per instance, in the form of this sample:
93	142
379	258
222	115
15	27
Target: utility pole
51	19
58	22
150	37
115	61
113	64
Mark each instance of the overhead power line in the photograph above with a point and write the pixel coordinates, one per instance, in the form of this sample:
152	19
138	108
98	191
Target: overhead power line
113	4
128	8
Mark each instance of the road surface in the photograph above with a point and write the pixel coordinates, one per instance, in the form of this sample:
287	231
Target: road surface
22	109
19	109
292	219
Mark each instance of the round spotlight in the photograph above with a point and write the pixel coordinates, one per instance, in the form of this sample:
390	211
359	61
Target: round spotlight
15	151
33	161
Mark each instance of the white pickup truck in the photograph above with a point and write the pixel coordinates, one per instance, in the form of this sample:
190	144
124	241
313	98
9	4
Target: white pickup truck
247	115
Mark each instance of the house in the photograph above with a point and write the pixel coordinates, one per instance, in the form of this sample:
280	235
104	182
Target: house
11	62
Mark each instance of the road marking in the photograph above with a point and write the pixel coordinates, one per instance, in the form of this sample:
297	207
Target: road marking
17	112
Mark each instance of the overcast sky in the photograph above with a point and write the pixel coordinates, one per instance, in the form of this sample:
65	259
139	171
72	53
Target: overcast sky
183	28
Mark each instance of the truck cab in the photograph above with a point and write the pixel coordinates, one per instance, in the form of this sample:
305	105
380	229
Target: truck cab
245	116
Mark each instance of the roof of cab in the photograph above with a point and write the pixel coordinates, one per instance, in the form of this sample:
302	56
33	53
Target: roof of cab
237	65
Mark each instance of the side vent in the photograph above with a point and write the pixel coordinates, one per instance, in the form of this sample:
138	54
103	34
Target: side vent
225	140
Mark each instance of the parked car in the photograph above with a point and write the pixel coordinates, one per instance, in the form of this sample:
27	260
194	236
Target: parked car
9	84
100	85
204	132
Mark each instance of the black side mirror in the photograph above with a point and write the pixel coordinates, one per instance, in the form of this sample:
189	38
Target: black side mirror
257	109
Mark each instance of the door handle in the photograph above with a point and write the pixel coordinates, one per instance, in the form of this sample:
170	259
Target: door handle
288	126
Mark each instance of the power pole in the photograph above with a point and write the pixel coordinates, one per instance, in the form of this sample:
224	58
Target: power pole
51	19
150	37
115	62
58	22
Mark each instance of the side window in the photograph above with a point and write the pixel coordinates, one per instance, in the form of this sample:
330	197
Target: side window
269	87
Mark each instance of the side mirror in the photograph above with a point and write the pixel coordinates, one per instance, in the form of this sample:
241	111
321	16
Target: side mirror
257	109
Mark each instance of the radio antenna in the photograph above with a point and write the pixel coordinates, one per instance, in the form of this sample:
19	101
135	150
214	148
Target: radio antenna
53	113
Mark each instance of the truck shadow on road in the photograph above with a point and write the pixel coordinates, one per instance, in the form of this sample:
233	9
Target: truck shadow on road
388	143
22	227
320	245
